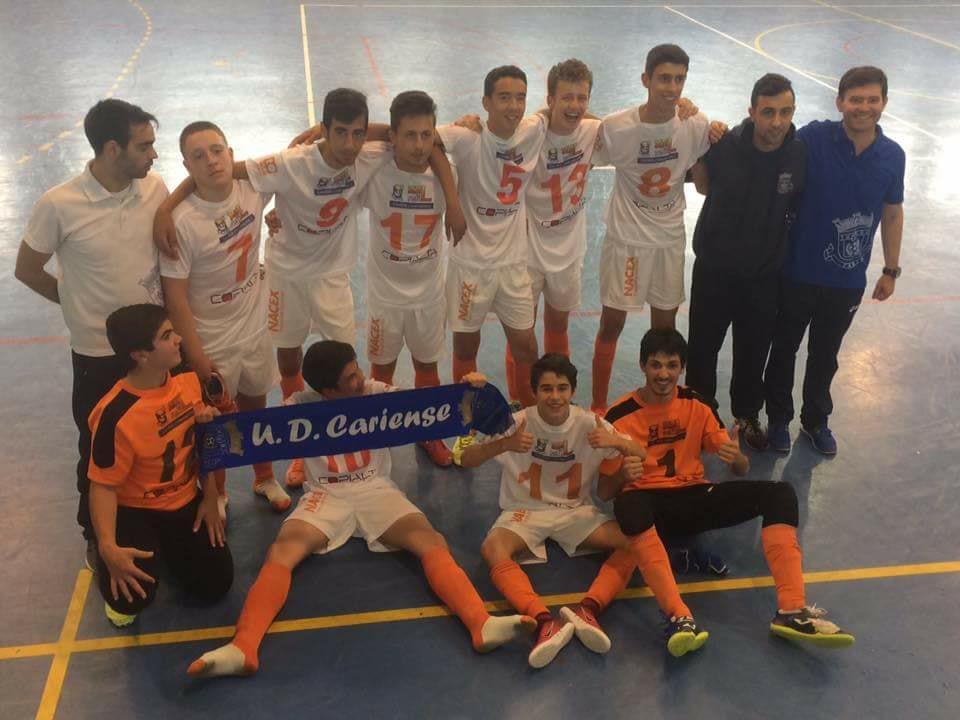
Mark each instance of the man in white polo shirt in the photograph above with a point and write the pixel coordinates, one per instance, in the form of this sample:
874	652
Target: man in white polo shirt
99	226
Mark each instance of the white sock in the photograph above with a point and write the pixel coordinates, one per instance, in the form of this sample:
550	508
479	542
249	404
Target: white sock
498	630
226	660
271	490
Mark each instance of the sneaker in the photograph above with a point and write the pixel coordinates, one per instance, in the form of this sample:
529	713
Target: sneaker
587	628
438	451
684	636
751	432
462	443
778	437
821	439
552	636
118	619
808	625
295	475
91	556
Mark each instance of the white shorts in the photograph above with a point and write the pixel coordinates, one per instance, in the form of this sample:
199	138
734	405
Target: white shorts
321	305
560	289
567	527
473	292
250	368
364	512
389	326
631	276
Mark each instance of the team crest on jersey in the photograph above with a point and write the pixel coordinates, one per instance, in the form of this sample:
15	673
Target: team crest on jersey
511	155
172	415
553	155
397	193
645	147
852	244
669	431
336	185
562	157
784	183
230	224
552	451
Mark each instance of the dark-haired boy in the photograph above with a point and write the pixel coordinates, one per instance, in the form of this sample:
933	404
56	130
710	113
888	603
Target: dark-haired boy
752	178
214	290
97	224
351	494
854	184
144	474
550	459
671	496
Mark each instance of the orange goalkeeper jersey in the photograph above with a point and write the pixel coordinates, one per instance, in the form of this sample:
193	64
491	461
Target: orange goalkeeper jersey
143	443
674	433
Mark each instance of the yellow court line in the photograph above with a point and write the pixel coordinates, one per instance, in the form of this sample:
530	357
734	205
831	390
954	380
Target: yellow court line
878	21
327	622
58	668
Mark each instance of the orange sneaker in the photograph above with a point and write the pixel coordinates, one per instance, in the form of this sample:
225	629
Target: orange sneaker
438	451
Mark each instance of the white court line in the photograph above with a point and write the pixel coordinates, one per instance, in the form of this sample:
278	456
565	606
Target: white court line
311	111
792	68
807	6
885	23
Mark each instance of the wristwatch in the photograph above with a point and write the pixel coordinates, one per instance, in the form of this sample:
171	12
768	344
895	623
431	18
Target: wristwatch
892	272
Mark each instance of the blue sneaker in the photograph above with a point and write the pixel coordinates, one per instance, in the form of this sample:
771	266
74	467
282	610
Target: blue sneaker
822	439
778	437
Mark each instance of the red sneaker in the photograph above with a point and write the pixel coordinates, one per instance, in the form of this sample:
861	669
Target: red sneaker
587	628
438	452
552	636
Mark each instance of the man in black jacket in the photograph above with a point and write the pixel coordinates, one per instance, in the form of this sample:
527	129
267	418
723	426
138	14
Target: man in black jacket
752	179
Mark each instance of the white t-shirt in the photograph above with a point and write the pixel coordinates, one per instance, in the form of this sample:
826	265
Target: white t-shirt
318	208
494	174
105	252
555	199
651	161
404	265
220	257
560	469
342	474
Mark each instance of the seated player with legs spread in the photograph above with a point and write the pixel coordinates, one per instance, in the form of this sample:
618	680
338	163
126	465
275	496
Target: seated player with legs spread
405	263
144	474
349	495
215	292
673	497
643	249
550	458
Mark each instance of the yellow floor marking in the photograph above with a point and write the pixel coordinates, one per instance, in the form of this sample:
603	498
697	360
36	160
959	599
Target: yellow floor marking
61	658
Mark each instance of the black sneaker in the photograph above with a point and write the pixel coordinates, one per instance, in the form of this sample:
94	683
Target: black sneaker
753	433
808	625
684	636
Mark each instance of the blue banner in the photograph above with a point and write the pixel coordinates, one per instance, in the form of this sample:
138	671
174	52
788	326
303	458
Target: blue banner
333	427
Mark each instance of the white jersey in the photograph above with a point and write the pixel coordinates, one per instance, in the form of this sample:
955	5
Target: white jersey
404	264
105	252
560	469
318	208
219	256
651	160
494	174
341	474
555	199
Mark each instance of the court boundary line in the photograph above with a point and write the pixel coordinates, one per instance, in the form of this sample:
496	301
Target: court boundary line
69	645
886	23
311	109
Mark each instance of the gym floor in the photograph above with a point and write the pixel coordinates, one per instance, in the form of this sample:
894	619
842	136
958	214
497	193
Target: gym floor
361	635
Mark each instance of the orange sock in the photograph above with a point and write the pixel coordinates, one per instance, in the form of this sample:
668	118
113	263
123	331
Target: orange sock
603	355
651	558
266	597
383	373
220	478
510	370
451	584
613	577
424	378
513	582
522	381
290	385
556	342
783	555
462	367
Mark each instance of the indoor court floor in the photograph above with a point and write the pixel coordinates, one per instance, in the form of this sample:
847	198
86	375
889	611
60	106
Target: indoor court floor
361	635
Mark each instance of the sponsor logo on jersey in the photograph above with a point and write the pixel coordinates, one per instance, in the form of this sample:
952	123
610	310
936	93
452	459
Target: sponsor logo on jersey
236	292
336	185
274	306
375	336
519	516
785	183
566	156
359	476
231	224
512	155
267	166
173	415
660	207
430	254
630	277
552	451
853	242
497	212
416	197
553	222
467	291
669	431
663	151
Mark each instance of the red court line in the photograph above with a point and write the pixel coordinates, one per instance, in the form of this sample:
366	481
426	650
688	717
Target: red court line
381	87
41	340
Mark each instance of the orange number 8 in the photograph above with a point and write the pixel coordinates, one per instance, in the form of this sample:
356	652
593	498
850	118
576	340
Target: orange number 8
656	182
